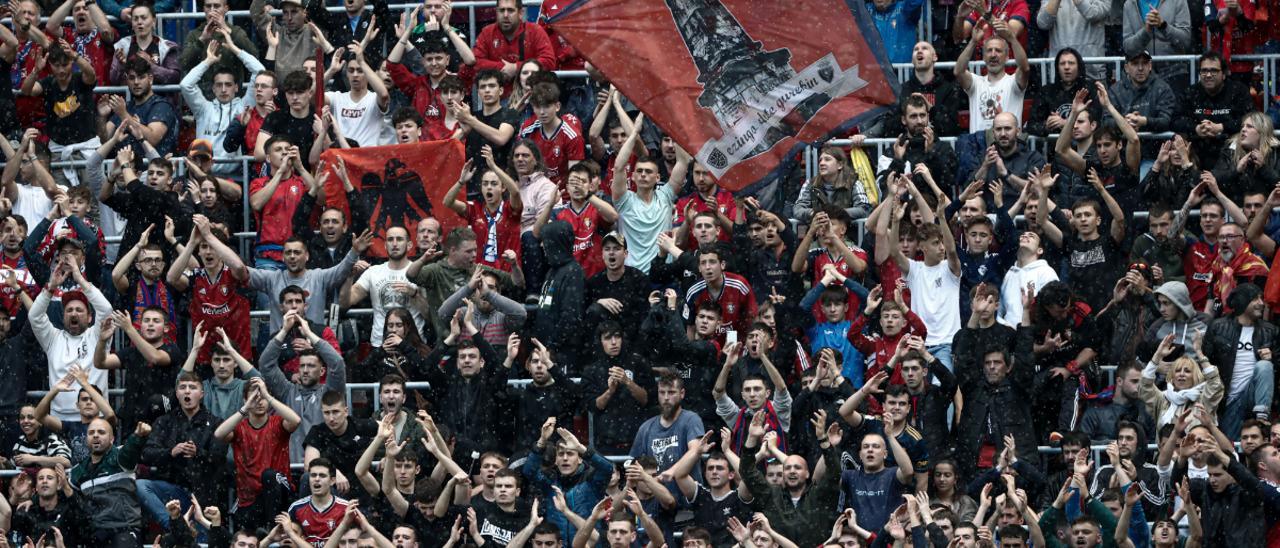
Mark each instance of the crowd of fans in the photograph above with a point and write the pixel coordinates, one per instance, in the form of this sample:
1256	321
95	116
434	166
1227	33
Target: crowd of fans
1031	320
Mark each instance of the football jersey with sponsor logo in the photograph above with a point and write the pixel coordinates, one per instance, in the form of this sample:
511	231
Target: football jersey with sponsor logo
737	304
586	236
318	524
216	302
564	145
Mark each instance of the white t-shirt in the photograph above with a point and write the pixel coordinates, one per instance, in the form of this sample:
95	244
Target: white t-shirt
935	297
32	204
1246	358
642	222
377	282
362	120
986	100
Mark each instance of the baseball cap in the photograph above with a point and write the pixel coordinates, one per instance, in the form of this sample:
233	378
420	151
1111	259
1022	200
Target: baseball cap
76	295
616	237
1138	55
200	147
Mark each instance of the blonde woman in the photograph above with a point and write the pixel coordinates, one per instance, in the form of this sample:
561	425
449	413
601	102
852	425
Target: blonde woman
836	185
1188	382
518	102
1249	162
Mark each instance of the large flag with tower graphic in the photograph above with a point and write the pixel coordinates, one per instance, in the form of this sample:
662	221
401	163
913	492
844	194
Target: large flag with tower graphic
740	84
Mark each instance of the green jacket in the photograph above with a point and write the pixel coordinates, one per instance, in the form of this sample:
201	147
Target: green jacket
107	488
1096	510
807	522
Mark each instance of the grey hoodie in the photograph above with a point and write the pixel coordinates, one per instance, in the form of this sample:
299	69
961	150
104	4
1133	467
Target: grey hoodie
213	117
1077	25
304	400
1184	328
224	399
1174	39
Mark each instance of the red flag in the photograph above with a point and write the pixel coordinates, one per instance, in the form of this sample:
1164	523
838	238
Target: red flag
320	66
732	81
399	184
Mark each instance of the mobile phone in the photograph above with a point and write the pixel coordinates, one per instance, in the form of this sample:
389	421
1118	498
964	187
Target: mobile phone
525	349
730	337
713	438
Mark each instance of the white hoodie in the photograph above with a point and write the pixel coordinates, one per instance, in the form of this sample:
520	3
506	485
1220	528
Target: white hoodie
64	349
1015	280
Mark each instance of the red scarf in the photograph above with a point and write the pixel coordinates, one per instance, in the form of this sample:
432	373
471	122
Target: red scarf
771	423
1244	265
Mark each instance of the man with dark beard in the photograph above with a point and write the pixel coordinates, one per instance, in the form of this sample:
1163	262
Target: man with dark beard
666	437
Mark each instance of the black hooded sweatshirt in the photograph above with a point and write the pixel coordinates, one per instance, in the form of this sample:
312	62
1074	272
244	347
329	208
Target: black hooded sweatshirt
560	305
1156	496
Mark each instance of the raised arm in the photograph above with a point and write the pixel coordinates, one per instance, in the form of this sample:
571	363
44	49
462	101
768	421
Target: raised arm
849	409
1117	214
964	78
1045	180
1062	147
948	242
512	188
618	181
1133	147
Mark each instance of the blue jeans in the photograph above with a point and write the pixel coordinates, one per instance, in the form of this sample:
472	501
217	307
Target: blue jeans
1256	399
153	494
943	353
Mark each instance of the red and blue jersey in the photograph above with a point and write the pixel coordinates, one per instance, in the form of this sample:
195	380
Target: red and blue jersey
318	524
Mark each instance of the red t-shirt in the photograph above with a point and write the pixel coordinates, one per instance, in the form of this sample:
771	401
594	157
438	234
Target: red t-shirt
565	144
607	174
736	300
1008	10
93	46
279	210
889	276
215	301
318	525
723	204
436	130
495	233
30	109
251	134
1197	266
586	236
256	450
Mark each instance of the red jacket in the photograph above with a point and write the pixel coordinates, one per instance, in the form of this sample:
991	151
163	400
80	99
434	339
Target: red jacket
529	42
425	99
881	346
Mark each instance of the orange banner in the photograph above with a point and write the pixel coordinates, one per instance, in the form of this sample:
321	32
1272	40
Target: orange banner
399	184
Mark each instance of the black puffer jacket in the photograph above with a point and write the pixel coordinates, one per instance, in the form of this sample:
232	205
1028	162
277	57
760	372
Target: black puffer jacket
993	410
467	403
